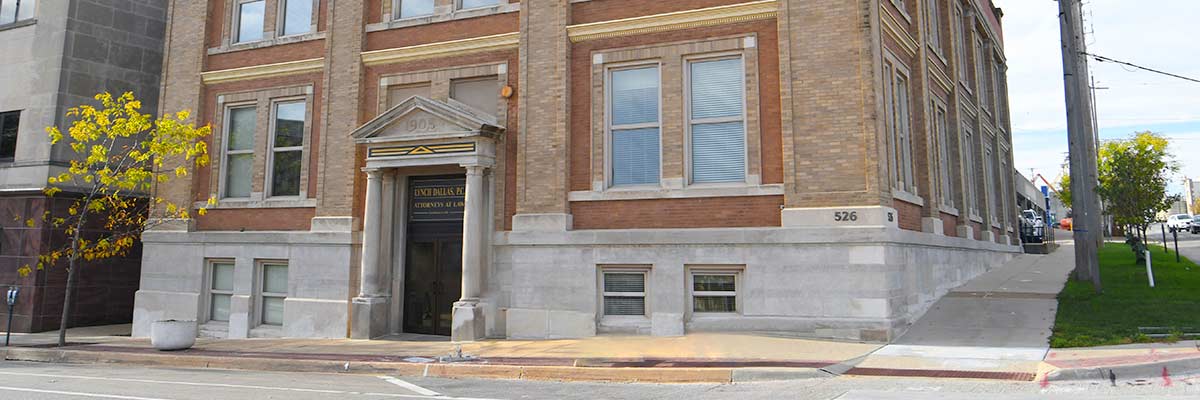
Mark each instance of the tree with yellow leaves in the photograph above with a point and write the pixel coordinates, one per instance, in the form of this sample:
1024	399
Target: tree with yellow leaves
121	156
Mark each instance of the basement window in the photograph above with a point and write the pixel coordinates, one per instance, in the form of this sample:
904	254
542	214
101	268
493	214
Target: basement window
220	289
715	290
624	292
272	293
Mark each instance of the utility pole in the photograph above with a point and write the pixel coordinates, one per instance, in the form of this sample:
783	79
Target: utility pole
1084	172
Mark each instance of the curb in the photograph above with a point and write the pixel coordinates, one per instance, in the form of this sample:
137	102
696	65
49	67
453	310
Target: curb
1161	369
439	370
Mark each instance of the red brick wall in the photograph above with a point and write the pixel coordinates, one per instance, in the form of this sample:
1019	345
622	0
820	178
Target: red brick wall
257	219
909	215
714	212
596	11
267	55
976	230
443	31
949	224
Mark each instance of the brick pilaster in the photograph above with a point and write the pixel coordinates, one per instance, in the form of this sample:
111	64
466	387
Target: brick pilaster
337	177
542	141
183	59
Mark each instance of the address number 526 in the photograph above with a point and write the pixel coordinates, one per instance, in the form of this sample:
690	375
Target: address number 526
845	216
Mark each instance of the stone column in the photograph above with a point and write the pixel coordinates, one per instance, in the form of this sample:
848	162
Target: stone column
370	307
468	320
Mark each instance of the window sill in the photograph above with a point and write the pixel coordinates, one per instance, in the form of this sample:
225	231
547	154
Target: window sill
975	217
907	197
945	209
937	54
444	17
18	24
266	42
232	204
643	193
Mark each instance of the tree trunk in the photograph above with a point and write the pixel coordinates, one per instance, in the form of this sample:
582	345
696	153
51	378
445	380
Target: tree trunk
72	272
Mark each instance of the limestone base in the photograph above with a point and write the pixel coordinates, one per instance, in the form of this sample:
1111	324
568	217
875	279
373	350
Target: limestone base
369	318
468	323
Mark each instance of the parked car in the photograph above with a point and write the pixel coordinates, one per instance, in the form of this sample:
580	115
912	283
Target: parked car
1179	222
1194	227
1033	218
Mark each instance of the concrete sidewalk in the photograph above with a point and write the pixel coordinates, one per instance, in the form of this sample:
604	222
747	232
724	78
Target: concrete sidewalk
1000	321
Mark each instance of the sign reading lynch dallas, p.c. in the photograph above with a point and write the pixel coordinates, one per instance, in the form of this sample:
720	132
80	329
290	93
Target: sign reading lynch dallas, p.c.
438	199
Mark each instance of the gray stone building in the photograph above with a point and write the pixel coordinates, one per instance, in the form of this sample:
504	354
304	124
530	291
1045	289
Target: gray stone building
57	54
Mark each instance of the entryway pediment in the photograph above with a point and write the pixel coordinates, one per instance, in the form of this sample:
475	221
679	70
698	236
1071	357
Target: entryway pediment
422	118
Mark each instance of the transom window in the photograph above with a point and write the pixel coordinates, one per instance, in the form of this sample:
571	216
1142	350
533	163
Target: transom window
239	151
634	125
9	124
250	16
624	293
714	291
297	17
272	293
465	4
220	290
899	126
716	117
16	10
287	148
414	8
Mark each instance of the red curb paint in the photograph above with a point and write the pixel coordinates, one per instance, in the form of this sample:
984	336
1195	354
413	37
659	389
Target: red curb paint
1166	377
1045	381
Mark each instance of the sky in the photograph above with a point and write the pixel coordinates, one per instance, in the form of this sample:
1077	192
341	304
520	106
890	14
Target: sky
1160	34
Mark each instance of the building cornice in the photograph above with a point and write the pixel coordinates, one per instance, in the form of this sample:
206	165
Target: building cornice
722	15
263	71
456	47
897	31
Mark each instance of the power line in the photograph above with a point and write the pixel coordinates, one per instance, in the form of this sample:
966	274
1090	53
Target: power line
1106	59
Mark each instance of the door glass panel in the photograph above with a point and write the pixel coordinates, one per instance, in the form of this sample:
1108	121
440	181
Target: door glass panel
418	286
450	282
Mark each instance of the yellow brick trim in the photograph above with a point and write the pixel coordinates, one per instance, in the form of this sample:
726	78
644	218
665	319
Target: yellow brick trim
752	11
897	31
263	71
442	49
941	78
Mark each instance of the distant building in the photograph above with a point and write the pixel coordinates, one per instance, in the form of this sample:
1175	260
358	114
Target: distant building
58	54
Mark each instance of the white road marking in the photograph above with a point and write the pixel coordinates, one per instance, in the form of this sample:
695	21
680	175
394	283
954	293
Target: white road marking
93	395
409	386
227	385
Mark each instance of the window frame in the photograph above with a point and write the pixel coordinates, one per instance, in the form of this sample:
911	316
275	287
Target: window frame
260	293
458	5
960	45
933	26
223	176
972	195
941	127
281	20
17	12
235	36
397	7
990	177
209	275
715	270
4	118
644	271
903	172
689	122
609	127
269	172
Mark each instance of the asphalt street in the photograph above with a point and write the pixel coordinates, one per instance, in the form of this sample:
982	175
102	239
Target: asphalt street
38	381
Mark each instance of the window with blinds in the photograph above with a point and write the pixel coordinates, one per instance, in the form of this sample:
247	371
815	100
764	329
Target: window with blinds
634	126
899	126
717	93
482	94
624	293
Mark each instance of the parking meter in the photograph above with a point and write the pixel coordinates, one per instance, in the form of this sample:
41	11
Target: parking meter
13	291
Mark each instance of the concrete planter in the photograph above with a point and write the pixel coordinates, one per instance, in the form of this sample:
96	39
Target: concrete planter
173	334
